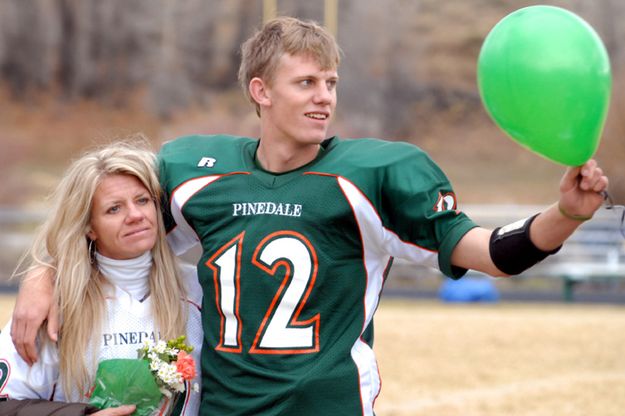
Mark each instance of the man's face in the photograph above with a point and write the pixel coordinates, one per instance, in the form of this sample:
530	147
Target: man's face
301	101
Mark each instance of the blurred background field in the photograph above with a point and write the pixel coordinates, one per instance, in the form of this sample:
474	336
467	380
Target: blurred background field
73	74
513	359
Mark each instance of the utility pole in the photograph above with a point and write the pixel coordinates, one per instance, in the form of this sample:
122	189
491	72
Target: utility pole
330	13
270	9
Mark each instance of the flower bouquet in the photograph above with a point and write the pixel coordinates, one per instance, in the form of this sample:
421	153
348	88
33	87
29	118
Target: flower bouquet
153	381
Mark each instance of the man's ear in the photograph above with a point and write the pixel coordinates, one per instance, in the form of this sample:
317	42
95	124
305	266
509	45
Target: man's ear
259	92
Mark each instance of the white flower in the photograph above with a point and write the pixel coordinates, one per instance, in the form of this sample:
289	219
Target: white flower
160	347
162	363
169	374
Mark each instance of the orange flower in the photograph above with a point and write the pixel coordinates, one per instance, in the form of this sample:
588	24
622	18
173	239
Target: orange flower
185	365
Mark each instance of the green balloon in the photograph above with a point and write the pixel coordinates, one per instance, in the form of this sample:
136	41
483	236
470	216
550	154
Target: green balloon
544	77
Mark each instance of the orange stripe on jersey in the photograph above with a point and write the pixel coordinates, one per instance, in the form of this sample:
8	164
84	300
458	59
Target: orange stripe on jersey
321	174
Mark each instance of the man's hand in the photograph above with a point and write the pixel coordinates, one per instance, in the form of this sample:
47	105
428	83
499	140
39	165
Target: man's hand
581	194
34	304
581	189
116	411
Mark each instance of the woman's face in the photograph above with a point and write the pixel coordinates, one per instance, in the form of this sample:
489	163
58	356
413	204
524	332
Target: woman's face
123	218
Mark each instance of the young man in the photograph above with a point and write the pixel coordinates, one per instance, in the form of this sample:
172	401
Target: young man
298	232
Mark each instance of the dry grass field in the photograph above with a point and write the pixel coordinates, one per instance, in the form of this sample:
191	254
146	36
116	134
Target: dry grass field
500	359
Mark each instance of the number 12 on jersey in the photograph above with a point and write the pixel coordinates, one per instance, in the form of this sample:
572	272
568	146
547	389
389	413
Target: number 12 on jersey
281	331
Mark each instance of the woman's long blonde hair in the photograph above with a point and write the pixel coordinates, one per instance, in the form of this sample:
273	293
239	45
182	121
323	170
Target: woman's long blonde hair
61	244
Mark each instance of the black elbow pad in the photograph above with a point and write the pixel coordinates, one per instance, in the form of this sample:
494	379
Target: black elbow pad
511	249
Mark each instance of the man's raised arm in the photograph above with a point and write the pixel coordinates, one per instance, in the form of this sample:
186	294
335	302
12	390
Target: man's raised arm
513	248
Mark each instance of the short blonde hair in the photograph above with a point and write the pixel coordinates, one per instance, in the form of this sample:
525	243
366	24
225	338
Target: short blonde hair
261	53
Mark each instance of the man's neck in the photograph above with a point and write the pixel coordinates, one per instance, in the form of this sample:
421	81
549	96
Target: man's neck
283	158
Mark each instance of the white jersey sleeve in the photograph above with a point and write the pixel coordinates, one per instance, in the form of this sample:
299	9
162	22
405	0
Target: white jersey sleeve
18	380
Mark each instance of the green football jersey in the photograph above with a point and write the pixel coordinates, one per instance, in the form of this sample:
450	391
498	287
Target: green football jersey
293	264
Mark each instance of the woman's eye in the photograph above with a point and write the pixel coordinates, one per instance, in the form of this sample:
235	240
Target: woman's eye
143	200
113	210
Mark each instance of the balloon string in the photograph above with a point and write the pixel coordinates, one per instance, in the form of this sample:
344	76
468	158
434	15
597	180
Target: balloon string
609	204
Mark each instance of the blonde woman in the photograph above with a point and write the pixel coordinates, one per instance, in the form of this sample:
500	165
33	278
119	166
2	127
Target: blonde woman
117	282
